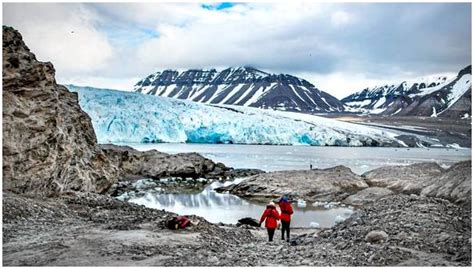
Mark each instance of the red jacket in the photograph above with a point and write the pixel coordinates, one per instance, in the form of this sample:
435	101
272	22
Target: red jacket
286	211
182	221
271	217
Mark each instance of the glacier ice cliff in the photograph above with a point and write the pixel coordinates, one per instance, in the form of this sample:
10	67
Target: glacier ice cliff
126	117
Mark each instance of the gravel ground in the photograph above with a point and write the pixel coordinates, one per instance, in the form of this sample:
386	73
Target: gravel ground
88	229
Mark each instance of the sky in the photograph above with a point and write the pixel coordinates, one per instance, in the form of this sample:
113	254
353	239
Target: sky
340	48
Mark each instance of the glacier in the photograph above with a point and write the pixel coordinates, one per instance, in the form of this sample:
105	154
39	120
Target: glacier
128	117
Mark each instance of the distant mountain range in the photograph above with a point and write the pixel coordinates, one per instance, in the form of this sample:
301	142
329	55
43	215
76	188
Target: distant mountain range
247	86
435	96
243	86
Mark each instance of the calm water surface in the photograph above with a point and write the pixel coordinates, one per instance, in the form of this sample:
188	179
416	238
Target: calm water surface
227	208
273	158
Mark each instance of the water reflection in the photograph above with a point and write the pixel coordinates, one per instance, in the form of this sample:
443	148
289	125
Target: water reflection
228	208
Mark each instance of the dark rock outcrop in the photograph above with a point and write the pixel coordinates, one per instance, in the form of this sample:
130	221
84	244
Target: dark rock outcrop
49	144
461	108
154	164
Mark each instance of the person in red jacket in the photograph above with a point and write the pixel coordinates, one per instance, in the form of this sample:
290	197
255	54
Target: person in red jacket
286	212
271	217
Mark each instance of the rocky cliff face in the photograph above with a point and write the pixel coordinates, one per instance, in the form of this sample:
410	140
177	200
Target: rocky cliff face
243	86
49	144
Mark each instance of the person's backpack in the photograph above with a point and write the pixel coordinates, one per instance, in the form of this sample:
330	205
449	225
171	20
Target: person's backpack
179	222
171	224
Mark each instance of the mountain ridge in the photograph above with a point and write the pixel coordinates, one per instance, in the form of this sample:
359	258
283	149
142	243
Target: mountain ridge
244	86
432	97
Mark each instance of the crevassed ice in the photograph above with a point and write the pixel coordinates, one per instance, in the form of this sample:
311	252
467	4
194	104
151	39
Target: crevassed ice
136	118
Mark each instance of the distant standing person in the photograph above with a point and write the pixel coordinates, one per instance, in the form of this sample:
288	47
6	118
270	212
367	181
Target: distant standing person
286	212
271	217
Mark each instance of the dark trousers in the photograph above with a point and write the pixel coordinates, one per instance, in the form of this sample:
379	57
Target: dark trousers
271	232
285	226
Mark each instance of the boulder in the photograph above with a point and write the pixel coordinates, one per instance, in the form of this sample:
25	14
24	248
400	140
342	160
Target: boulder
376	236
368	195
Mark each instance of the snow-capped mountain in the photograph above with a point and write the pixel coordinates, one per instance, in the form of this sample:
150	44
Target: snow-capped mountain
242	86
133	117
432	96
377	99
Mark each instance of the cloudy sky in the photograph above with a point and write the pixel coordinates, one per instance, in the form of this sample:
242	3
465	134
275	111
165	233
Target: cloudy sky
340	47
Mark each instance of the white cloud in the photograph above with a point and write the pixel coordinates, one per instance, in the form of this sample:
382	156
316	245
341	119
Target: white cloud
261	35
63	34
341	84
339	47
340	18
122	84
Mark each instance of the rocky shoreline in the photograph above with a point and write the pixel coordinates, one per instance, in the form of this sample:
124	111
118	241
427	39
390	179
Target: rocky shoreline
58	209
340	184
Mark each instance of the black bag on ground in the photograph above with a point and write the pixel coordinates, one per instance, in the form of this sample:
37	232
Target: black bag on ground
248	221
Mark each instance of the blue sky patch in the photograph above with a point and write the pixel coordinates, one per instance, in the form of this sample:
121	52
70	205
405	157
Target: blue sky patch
218	6
129	36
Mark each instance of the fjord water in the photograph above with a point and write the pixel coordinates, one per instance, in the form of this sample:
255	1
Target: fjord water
274	158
